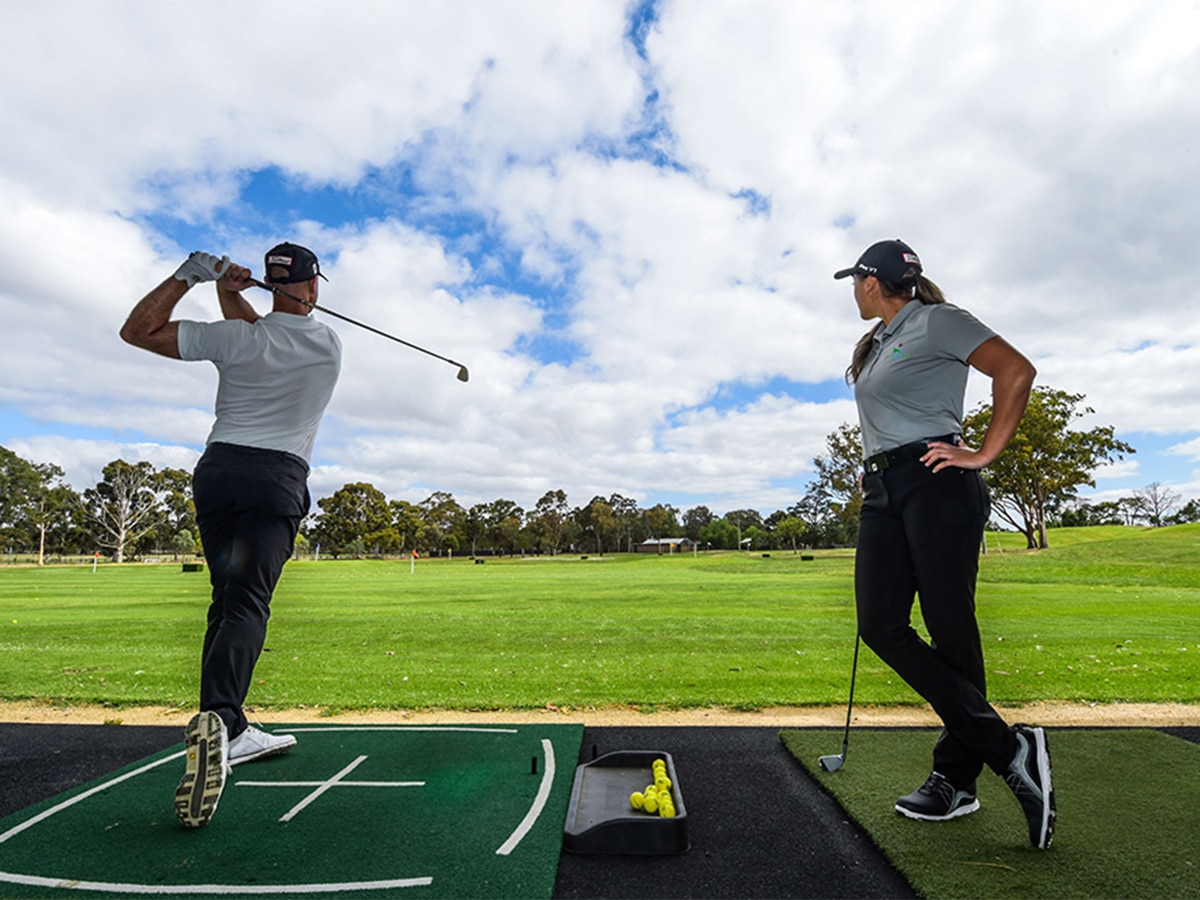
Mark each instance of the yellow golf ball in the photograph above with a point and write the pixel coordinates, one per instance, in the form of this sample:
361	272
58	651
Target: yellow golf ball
637	800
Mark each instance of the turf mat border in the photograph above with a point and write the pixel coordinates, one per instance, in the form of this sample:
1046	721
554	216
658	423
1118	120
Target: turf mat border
1128	801
115	834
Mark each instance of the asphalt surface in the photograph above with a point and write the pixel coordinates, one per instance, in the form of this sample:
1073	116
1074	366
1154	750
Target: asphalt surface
785	838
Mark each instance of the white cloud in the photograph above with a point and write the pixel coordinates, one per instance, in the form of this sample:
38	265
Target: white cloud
1037	155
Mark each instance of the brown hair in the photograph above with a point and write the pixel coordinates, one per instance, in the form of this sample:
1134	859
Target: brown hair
924	290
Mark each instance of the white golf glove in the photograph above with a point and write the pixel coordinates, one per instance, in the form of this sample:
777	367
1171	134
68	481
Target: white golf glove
200	267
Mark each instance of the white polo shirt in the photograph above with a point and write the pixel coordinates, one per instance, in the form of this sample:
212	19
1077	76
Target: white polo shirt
276	377
915	376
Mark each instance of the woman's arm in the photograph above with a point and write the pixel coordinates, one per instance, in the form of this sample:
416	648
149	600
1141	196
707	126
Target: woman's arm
1012	379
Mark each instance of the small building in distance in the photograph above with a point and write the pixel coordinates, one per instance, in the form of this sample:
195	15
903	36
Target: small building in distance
663	545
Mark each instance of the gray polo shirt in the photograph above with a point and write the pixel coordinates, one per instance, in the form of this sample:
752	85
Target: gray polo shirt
276	377
915	376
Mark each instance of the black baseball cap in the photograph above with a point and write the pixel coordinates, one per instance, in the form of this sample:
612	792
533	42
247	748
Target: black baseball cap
893	262
300	262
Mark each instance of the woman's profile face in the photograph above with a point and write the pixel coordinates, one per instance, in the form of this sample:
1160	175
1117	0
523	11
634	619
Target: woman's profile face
867	299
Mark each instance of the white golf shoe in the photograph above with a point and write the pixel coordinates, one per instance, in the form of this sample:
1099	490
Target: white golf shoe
254	744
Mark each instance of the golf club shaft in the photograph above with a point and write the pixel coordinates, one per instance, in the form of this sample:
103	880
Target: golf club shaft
850	705
277	290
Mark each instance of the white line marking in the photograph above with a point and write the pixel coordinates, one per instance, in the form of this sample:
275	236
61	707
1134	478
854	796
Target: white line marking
466	729
506	848
539	803
326	785
77	798
188	890
376	784
323	786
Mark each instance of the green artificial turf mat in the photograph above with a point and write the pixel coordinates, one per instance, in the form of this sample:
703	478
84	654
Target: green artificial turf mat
352	811
1128	815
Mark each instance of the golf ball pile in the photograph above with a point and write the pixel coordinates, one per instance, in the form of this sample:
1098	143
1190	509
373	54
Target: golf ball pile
656	798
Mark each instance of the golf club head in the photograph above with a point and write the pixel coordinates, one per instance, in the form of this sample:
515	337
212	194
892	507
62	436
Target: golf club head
831	763
462	373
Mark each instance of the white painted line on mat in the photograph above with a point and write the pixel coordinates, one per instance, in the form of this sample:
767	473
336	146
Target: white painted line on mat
78	797
184	890
323	786
461	728
539	803
188	890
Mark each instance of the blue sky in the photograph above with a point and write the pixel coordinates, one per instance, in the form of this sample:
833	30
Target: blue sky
622	218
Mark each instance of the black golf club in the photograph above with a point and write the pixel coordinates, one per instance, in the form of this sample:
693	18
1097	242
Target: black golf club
833	763
462	370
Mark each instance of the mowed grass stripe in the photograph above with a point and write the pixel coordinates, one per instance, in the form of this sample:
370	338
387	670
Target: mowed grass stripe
1109	619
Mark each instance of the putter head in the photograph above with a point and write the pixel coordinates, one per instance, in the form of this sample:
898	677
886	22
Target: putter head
831	763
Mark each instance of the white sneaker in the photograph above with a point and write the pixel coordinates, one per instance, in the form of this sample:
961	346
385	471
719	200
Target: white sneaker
205	766
253	744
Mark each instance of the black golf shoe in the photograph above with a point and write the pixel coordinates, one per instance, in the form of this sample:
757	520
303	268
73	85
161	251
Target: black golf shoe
937	800
1029	778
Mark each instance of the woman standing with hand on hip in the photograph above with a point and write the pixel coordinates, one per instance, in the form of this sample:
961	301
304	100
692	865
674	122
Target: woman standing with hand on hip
924	509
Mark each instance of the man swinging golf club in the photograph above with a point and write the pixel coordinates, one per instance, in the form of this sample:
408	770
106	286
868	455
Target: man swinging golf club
276	376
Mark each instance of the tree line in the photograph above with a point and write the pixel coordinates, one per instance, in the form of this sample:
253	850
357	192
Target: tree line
137	510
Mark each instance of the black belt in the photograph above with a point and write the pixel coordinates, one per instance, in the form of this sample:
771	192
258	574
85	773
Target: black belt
904	453
247	450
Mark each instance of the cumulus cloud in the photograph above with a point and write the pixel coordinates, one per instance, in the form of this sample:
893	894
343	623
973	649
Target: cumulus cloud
627	238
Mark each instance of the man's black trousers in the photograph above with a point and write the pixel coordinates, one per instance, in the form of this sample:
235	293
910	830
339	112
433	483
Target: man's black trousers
920	533
249	505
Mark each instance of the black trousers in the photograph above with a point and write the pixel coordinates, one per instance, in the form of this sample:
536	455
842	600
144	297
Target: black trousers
249	505
920	534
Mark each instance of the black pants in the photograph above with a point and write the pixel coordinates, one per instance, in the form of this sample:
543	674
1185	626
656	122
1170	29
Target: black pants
249	505
920	534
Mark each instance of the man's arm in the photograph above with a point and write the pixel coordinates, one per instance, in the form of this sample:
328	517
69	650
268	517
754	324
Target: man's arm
149	325
229	292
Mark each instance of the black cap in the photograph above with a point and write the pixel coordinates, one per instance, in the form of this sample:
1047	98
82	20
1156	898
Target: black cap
300	262
893	262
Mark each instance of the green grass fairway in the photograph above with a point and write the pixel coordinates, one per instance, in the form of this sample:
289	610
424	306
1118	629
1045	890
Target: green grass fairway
1107	614
1127	806
366	811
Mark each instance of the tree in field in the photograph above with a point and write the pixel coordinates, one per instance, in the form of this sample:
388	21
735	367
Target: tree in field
1155	503
1190	512
34	502
626	517
792	530
741	519
837	482
443	517
183	542
720	534
354	520
548	520
407	521
474	524
661	521
174	488
1046	462
502	525
597	522
1081	514
123	506
695	519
